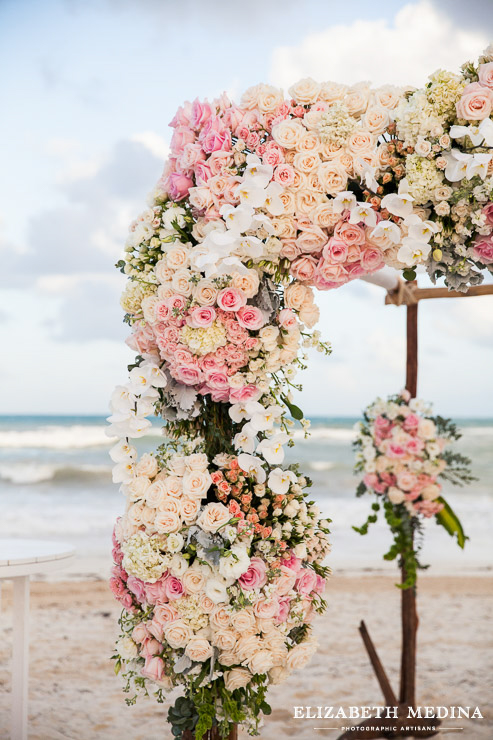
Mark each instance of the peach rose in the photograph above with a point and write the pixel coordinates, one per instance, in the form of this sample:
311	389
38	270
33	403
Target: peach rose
147	466
356	99
199	649
166	522
261	661
172	486
205	293
332	91
333	177
476	102
387	96
311	240
221	617
189	509
288	133
247	645
243	621
303	268
237	678
299	656
307	200
178	256
193	581
306	161
177	634
485	74
376	119
164	614
305	91
324	216
295	294
309	314
247	283
225	639
196	483
266	608
360	142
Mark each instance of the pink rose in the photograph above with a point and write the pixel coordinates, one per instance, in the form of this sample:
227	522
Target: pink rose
230	299
192	154
136	586
371	259
320	585
292	562
488	211
289	249
182	115
140	632
178	185
483	250
186	374
173	588
349	233
411	423
156	592
476	102
247	393
219	161
415	446
382	426
182	136
335	250
214	137
200	113
283	610
355	270
303	268
371	480
150	646
217	381
255	576
287	319
201	317
328	275
284	174
153	668
485	74
396	450
165	613
311	239
250	317
273	154
307	580
406	480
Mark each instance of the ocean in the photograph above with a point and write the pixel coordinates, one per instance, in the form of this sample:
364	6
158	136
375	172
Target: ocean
55	483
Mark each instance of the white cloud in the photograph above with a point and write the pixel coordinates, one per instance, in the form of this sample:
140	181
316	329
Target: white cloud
420	40
153	142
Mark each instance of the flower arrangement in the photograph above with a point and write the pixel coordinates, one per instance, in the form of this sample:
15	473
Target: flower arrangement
403	452
444	140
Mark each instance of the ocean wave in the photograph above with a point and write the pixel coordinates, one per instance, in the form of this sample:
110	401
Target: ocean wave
60	437
27	473
335	434
320	465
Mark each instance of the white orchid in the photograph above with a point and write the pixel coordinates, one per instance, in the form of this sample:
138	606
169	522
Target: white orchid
238	219
387	229
122	399
123	472
123	451
272	449
419	229
343	201
368	174
263	419
253	466
255	171
481	133
244	441
250	193
363	212
280	480
457	162
245	410
478	165
273	202
412	251
250	246
401	203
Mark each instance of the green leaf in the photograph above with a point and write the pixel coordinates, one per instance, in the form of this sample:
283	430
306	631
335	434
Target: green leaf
449	520
295	411
118	667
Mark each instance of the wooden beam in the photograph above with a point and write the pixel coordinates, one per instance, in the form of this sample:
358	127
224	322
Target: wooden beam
408	294
389	696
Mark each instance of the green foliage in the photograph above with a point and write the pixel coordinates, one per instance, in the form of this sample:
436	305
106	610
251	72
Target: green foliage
295	411
449	520
182	716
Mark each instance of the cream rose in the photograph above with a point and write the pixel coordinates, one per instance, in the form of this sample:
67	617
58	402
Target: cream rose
221	617
299	656
376	119
213	517
138	487
178	256
167	521
162	271
197	461
198	649
243	621
193	581
288	133
324	216
295	295
261	661
181	283
305	91
225	639
333	177
237	678
189	509
178	634
205	293
247	645
247	282
196	483
360	143
269	98
309	314
306	162
147	466
172	486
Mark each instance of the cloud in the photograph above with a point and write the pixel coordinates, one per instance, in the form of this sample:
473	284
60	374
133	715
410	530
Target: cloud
71	249
421	39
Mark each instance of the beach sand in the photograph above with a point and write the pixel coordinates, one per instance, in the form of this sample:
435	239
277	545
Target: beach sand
74	694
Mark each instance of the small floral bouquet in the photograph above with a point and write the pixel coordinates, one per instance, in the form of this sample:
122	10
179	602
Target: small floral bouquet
219	570
402	451
444	140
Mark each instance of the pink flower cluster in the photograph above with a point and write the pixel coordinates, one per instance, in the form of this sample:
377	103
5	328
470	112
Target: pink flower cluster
476	101
210	144
483	245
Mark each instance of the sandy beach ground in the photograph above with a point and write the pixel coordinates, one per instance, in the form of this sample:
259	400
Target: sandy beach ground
74	694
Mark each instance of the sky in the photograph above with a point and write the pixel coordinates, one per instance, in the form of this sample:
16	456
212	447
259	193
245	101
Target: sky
88	89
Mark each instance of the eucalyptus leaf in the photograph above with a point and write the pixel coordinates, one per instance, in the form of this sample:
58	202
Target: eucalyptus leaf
449	520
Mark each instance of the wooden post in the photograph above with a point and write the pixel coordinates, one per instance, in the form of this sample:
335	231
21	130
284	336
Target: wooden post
409	616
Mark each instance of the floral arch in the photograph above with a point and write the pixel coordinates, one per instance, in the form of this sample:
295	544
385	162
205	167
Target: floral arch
219	554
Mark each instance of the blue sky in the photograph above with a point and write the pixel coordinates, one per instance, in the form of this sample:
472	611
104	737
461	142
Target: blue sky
88	90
